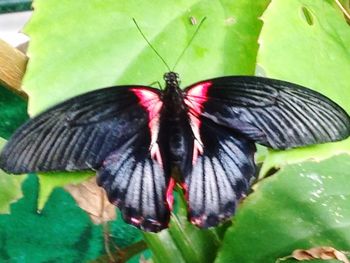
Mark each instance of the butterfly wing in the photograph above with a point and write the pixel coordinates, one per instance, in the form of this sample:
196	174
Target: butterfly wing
274	113
136	175
113	130
77	134
228	115
222	172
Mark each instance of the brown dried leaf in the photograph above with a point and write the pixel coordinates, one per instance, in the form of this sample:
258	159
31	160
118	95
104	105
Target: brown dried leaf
324	253
93	200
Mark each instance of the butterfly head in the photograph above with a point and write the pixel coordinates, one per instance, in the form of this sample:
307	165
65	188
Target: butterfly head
172	79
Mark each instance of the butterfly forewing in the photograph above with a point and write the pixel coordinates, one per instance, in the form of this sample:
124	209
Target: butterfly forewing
274	113
77	134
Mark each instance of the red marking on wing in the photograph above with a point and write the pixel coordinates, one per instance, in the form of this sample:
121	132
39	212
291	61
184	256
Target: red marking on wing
135	221
169	194
196	96
185	189
152	103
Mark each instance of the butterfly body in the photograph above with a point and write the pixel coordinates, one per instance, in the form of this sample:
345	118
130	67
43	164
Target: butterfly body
175	131
134	136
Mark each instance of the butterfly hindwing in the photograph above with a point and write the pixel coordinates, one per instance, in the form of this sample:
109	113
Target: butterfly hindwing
76	134
223	169
274	113
136	182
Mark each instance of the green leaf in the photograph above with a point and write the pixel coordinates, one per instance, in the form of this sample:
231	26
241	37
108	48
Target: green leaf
319	58
183	242
275	159
96	44
10	6
62	232
50	181
306	42
13	112
302	206
10	187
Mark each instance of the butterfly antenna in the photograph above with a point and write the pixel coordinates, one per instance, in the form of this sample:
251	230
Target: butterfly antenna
149	43
189	42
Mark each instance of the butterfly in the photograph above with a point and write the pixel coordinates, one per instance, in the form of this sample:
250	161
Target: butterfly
134	136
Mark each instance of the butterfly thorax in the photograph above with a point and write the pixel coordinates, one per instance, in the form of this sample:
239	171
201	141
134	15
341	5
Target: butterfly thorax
173	97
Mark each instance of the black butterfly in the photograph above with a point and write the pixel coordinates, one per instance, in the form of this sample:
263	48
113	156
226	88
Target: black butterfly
135	135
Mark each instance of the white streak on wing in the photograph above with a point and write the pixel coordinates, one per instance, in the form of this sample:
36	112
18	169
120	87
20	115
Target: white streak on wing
132	198
196	192
230	166
120	180
236	153
160	180
227	194
212	198
148	198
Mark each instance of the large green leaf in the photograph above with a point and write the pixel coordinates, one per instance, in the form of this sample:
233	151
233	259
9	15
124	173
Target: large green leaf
315	152
302	206
314	55
96	44
183	242
77	46
10	188
306	42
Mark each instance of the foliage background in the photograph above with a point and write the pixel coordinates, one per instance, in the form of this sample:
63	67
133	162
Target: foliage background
78	46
